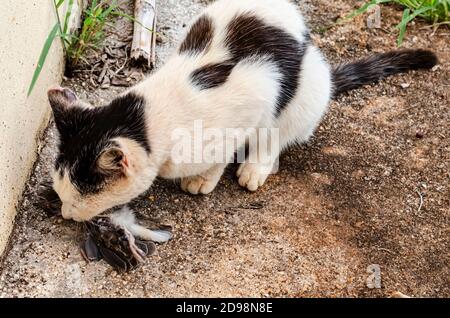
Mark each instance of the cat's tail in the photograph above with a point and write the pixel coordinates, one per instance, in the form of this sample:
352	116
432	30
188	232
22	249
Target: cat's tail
368	70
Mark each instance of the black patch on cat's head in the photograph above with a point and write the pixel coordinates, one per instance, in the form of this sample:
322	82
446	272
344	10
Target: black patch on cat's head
199	37
85	133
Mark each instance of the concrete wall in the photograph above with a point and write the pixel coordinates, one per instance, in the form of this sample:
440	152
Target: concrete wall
24	26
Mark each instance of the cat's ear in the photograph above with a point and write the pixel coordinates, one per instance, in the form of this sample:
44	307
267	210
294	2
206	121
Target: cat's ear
113	161
61	99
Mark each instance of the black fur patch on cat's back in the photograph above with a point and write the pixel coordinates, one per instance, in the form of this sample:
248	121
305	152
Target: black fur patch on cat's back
86	133
248	37
199	37
212	75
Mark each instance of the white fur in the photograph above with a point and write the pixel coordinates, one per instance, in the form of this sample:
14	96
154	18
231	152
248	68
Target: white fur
246	100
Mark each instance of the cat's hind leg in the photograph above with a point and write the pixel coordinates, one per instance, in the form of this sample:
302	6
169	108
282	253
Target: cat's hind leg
296	123
261	161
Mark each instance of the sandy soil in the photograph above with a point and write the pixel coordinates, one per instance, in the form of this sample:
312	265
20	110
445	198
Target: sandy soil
343	204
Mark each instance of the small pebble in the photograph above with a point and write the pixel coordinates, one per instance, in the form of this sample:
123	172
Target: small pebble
405	85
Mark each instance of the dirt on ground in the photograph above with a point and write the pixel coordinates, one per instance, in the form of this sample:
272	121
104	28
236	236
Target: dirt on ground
368	194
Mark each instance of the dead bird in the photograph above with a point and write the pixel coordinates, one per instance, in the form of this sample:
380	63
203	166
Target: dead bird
108	237
116	245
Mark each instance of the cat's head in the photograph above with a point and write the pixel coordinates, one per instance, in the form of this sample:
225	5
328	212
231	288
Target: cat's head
103	153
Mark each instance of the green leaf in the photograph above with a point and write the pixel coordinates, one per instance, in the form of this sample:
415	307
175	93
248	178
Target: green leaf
60	2
47	45
131	18
67	17
406	18
402	26
108	11
88	22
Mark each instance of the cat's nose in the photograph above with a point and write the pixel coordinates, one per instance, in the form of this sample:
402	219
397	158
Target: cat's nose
66	211
69	212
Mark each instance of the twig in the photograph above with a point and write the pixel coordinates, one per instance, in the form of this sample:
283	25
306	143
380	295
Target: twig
398	294
421	200
123	65
251	206
435	25
153	49
386	250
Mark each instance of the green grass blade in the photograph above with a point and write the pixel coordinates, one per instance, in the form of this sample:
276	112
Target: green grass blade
67	17
133	19
408	17
107	12
59	3
402	26
64	42
47	45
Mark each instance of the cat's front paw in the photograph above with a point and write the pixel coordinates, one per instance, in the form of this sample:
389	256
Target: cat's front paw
198	185
253	175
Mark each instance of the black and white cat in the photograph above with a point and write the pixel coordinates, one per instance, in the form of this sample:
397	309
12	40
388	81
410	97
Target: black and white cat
242	63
